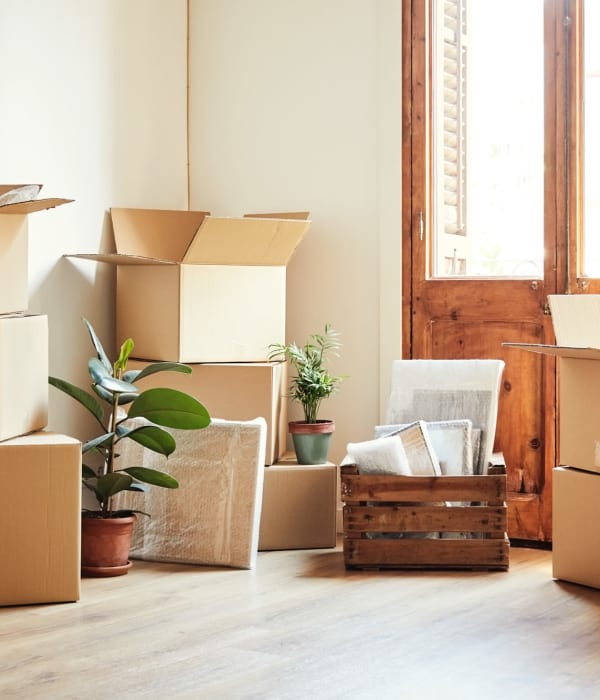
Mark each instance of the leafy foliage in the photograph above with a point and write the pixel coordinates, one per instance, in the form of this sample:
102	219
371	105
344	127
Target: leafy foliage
313	381
114	387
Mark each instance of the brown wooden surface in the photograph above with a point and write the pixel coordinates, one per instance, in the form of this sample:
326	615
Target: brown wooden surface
472	318
301	626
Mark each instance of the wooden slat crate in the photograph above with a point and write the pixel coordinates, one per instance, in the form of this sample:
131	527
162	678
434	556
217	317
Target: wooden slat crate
379	509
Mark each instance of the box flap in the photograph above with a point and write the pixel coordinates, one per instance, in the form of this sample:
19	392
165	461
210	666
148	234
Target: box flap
32	206
118	259
558	350
153	234
246	241
576	319
281	215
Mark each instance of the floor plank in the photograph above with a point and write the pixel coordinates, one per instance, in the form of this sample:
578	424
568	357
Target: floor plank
300	626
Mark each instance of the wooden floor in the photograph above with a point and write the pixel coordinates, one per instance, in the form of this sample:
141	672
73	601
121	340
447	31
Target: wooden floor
300	626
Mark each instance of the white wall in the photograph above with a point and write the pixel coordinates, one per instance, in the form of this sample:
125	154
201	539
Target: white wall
296	105
93	101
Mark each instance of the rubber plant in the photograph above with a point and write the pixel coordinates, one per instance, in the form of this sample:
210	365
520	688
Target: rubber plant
114	387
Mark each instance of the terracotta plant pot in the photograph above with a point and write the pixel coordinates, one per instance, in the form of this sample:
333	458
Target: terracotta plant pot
105	545
311	440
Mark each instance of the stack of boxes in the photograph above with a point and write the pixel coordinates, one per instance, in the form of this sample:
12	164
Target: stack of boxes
211	292
576	482
40	502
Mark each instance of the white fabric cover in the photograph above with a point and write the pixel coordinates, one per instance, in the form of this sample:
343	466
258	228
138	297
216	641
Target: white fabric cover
381	456
436	390
213	518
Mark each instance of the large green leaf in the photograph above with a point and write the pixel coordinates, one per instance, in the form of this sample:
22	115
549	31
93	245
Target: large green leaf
85	399
152	437
102	356
134	375
152	476
109	484
171	408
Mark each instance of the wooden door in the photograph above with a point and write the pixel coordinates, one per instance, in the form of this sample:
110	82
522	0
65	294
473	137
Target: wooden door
450	313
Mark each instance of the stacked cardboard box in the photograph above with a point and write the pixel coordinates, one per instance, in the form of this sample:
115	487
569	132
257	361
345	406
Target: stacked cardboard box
576	482
210	292
39	513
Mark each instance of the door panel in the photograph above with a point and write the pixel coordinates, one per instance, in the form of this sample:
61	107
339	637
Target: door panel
472	317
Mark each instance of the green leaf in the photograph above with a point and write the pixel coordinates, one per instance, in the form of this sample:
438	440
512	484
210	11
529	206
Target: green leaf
85	399
87	472
134	375
152	476
152	437
121	363
95	443
170	408
102	356
104	379
109	484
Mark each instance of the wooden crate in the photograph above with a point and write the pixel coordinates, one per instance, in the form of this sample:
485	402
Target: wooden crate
379	509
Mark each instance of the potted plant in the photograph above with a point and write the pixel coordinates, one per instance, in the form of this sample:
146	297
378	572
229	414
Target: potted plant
313	382
106	531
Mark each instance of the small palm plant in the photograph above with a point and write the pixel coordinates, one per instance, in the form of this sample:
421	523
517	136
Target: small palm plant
115	387
313	381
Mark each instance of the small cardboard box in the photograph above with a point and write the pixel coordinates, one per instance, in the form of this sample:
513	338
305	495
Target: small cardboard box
23	374
16	202
575	528
576	322
40	516
216	285
298	506
238	391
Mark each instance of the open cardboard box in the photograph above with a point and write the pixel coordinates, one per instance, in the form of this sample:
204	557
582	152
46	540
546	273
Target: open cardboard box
196	288
576	322
16	202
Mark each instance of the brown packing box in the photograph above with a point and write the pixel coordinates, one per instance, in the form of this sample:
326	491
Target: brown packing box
576	526
23	374
235	391
217	285
576	321
298	506
16	202
40	516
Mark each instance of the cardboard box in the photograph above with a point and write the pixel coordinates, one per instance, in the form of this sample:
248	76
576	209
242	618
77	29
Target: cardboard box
16	202
23	374
235	391
576	322
575	526
218	285
299	506
40	519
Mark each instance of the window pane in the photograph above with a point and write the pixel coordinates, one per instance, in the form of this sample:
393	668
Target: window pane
591	140
488	138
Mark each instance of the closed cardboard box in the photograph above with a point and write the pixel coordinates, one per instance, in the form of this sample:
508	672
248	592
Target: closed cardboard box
16	202
23	374
299	506
576	322
40	516
235	391
576	526
218	285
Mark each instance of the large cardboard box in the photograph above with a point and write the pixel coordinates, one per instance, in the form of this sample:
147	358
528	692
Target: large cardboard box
235	391
40	516
23	374
299	506
16	202
576	526
576	322
197	288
